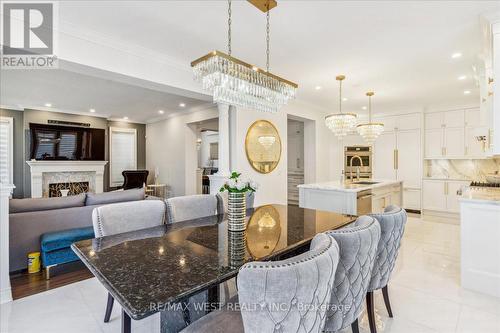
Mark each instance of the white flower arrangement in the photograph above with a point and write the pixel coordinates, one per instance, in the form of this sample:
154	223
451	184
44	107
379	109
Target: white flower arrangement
237	185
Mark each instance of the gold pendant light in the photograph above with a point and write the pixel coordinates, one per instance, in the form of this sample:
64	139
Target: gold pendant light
341	123
235	82
370	131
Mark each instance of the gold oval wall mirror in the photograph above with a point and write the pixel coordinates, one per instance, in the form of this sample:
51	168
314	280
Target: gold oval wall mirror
263	146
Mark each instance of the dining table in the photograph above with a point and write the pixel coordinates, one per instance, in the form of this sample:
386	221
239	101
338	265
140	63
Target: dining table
148	269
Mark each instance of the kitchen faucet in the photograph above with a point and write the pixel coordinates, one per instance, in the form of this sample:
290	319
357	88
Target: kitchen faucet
358	168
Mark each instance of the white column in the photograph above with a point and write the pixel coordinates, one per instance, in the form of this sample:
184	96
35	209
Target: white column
36	184
218	179
5	290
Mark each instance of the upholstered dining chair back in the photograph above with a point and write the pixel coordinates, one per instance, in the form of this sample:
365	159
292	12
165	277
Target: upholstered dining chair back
290	295
392	224
127	216
191	207
222	197
358	246
134	178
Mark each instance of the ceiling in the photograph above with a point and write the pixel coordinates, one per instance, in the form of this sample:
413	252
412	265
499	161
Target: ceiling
399	49
72	92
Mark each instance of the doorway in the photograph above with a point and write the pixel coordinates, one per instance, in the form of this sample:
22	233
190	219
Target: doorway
207	145
295	157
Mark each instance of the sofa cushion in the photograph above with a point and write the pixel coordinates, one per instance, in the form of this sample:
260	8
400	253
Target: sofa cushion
57	240
37	204
112	197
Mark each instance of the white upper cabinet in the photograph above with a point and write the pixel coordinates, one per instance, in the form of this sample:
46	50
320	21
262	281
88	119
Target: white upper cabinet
454	144
475	118
434	143
454	134
454	118
433	120
400	122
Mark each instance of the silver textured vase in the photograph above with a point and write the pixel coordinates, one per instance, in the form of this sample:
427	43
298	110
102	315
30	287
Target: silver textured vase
236	211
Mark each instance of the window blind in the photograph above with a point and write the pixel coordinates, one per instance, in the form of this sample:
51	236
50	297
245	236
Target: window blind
123	154
6	150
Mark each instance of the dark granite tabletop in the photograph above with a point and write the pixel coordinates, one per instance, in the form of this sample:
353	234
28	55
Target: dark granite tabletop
172	262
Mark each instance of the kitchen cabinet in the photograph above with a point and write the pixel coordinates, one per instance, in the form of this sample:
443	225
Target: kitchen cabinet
454	143
434	139
397	156
473	147
442	195
385	196
383	157
401	122
434	195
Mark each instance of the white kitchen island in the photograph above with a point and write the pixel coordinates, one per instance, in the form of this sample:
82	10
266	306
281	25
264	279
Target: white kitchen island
480	235
353	198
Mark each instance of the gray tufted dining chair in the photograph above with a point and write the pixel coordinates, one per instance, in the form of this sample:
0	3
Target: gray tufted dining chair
279	296
392	223
190	207
358	247
122	217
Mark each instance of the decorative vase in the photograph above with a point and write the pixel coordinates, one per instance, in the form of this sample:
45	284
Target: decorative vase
236	211
236	248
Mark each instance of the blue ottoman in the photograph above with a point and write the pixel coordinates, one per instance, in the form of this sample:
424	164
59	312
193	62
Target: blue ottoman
56	246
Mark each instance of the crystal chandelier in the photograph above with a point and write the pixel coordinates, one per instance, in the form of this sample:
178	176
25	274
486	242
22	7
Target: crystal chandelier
370	131
341	123
267	141
235	82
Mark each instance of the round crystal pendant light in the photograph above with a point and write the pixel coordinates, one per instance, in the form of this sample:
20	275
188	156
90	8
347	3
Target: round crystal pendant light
341	123
370	131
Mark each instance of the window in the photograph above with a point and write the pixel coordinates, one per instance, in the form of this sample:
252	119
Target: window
123	153
6	150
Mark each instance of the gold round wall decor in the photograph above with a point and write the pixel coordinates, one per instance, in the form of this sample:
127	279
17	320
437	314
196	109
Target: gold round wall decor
263	146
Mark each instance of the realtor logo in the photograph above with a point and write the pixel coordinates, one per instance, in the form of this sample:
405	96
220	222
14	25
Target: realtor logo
28	35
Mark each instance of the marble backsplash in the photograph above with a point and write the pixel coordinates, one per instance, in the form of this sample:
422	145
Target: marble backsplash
462	169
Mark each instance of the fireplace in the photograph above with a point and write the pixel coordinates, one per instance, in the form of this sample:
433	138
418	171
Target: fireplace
51	174
73	188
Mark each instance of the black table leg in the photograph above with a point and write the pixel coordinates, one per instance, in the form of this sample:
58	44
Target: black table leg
213	297
126	323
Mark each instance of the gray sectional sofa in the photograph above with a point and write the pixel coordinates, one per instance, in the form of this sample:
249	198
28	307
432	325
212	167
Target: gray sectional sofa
30	218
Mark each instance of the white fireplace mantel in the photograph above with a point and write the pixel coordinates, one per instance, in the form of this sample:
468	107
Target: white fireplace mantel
38	168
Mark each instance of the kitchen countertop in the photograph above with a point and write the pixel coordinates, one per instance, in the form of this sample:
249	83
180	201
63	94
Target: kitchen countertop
350	187
490	196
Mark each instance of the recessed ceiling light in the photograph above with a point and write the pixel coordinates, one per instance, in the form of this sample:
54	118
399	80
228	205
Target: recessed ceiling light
92	110
456	55
344	99
364	107
161	111
48	105
462	77
318	87
182	105
466	92
125	118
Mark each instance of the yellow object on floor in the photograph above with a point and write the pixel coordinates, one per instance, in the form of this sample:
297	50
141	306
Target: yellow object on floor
33	262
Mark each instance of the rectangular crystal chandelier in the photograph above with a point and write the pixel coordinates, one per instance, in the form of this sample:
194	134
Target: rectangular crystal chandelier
232	81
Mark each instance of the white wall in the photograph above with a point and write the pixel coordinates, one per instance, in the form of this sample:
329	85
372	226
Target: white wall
171	146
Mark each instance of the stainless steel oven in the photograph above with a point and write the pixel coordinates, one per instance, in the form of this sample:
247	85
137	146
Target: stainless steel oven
358	158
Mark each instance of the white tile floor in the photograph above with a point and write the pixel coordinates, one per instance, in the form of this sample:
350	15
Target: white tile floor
425	294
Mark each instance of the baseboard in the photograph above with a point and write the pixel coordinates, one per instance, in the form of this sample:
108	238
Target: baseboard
5	295
441	217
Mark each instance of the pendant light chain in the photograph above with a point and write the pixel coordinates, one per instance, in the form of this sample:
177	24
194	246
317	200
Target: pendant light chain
370	108
229	12
267	39
340	96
